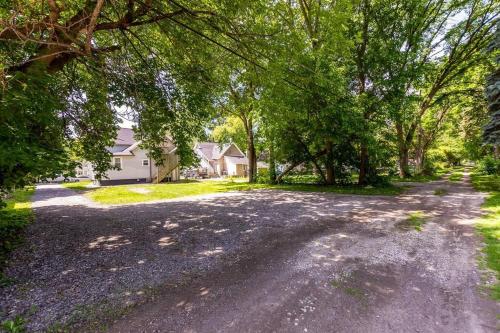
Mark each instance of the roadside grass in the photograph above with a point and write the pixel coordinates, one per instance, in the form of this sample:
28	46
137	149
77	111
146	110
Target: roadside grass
417	178
489	225
13	219
440	191
16	325
123	194
456	177
78	186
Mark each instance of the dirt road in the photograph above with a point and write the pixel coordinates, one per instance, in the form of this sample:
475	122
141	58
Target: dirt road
259	261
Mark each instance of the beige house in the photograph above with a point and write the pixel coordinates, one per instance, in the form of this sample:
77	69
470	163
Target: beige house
217	160
133	164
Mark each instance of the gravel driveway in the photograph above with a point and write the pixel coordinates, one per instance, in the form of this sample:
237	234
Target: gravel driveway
257	261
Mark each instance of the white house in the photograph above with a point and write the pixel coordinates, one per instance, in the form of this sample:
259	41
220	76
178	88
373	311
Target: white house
133	164
215	160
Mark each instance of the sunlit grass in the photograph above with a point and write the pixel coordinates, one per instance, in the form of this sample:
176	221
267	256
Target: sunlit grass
78	186
13	219
418	178
123	194
489	224
456	177
416	220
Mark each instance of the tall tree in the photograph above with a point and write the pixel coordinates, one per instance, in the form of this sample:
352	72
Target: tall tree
492	129
76	64
240	100
307	94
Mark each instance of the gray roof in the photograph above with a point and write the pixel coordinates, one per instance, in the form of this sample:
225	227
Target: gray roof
212	150
208	149
125	137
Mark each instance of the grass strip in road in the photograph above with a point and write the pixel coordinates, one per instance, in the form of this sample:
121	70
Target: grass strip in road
418	178
489	224
456	177
415	220
13	219
440	191
123	194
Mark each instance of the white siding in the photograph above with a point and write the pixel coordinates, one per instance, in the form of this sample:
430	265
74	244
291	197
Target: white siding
231	168
132	167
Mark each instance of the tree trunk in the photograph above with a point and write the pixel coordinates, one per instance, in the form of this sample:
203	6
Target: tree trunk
403	152
419	160
272	164
420	146
330	174
363	165
403	161
251	154
496	151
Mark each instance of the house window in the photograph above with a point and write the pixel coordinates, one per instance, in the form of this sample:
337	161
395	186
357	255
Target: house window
145	162
117	162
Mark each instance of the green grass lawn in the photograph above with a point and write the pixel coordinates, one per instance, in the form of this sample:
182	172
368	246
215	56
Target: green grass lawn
123	194
417	178
13	219
489	224
78	186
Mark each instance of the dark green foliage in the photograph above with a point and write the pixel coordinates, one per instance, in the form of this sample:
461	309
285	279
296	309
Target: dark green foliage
492	129
13	219
32	131
490	166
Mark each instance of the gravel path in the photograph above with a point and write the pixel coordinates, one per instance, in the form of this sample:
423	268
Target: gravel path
258	261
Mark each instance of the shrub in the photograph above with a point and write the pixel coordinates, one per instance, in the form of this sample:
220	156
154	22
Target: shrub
490	166
262	176
13	219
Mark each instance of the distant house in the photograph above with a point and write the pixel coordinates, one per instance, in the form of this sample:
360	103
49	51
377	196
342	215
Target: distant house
133	164
217	160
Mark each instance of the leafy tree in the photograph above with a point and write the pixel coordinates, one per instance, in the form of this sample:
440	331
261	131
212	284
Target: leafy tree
307	97
240	101
231	130
492	129
70	67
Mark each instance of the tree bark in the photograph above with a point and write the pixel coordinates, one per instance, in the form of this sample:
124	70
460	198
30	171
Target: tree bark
419	160
403	151
330	174
251	154
403	162
272	164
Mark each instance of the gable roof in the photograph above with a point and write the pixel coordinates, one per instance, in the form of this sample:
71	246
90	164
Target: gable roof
125	143
207	149
125	136
226	147
213	151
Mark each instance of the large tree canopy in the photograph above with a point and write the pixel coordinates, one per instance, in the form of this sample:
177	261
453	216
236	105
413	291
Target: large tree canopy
69	69
346	86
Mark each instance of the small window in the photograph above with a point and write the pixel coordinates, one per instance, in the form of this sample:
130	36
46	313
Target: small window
117	162
145	162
